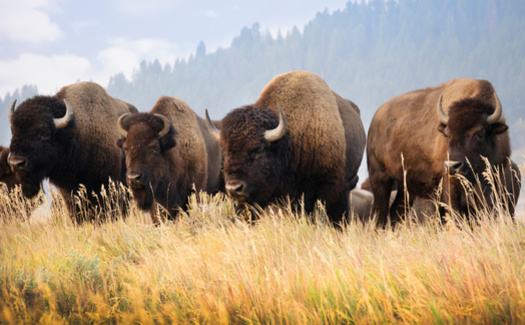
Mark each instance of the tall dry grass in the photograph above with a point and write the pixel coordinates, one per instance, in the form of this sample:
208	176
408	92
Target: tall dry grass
211	266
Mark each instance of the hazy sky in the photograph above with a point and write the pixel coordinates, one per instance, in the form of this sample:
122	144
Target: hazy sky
53	43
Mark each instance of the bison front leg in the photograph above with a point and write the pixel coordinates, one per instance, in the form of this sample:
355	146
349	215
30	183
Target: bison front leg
338	209
401	205
381	188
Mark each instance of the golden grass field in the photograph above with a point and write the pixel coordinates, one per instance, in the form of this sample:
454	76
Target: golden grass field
212	267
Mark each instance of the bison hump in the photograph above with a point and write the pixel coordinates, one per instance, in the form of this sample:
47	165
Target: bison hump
314	121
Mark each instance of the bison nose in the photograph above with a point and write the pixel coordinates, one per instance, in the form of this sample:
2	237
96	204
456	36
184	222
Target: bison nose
135	178
453	166
16	162
236	188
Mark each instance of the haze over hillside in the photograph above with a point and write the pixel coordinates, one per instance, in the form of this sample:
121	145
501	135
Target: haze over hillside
366	52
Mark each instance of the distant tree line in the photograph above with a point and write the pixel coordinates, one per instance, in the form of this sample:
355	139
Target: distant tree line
367	52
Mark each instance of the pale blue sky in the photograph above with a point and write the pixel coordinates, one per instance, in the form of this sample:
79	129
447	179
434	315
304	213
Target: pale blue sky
52	43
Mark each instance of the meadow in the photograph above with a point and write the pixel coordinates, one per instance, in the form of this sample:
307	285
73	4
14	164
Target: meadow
212	266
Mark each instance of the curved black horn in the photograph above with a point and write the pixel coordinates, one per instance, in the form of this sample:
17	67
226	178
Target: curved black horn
64	120
496	116
441	113
211	128
166	127
279	131
11	111
120	126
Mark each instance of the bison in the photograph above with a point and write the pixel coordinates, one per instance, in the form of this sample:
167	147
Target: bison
424	136
169	154
7	176
299	139
71	139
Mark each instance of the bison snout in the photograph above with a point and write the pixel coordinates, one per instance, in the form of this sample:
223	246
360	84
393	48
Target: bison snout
236	188
135	179
453	167
17	163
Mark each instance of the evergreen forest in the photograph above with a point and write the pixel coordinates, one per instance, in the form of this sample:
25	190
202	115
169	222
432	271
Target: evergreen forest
367	52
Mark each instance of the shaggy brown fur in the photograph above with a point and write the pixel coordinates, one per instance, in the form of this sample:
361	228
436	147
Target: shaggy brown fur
188	158
84	152
406	134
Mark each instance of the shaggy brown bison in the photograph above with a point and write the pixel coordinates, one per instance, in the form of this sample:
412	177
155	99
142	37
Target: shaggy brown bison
71	139
299	139
421	132
169	154
7	176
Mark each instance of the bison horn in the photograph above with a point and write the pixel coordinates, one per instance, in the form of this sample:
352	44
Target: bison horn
166	127
495	117
64	120
279	131
11	111
216	134
120	126
442	115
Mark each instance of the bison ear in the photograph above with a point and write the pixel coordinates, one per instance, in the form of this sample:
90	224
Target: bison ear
120	142
498	128
441	128
167	142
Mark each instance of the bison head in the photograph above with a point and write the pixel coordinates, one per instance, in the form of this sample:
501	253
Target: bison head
257	153
42	129
146	144
471	129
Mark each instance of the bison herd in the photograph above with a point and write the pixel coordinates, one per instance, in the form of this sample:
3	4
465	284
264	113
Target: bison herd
299	141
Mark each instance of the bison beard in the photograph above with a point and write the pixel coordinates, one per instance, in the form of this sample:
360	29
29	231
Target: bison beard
143	196
30	187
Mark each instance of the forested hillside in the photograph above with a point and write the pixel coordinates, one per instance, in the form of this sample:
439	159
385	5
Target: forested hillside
366	52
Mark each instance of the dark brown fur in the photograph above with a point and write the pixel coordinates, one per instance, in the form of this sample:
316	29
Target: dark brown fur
406	135
7	176
317	159
84	152
186	159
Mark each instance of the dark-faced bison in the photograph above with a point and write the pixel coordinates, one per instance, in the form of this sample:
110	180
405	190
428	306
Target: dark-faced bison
70	138
428	132
169	154
310	148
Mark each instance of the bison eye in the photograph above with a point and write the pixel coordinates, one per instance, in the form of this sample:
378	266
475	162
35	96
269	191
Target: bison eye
155	149
480	135
45	136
